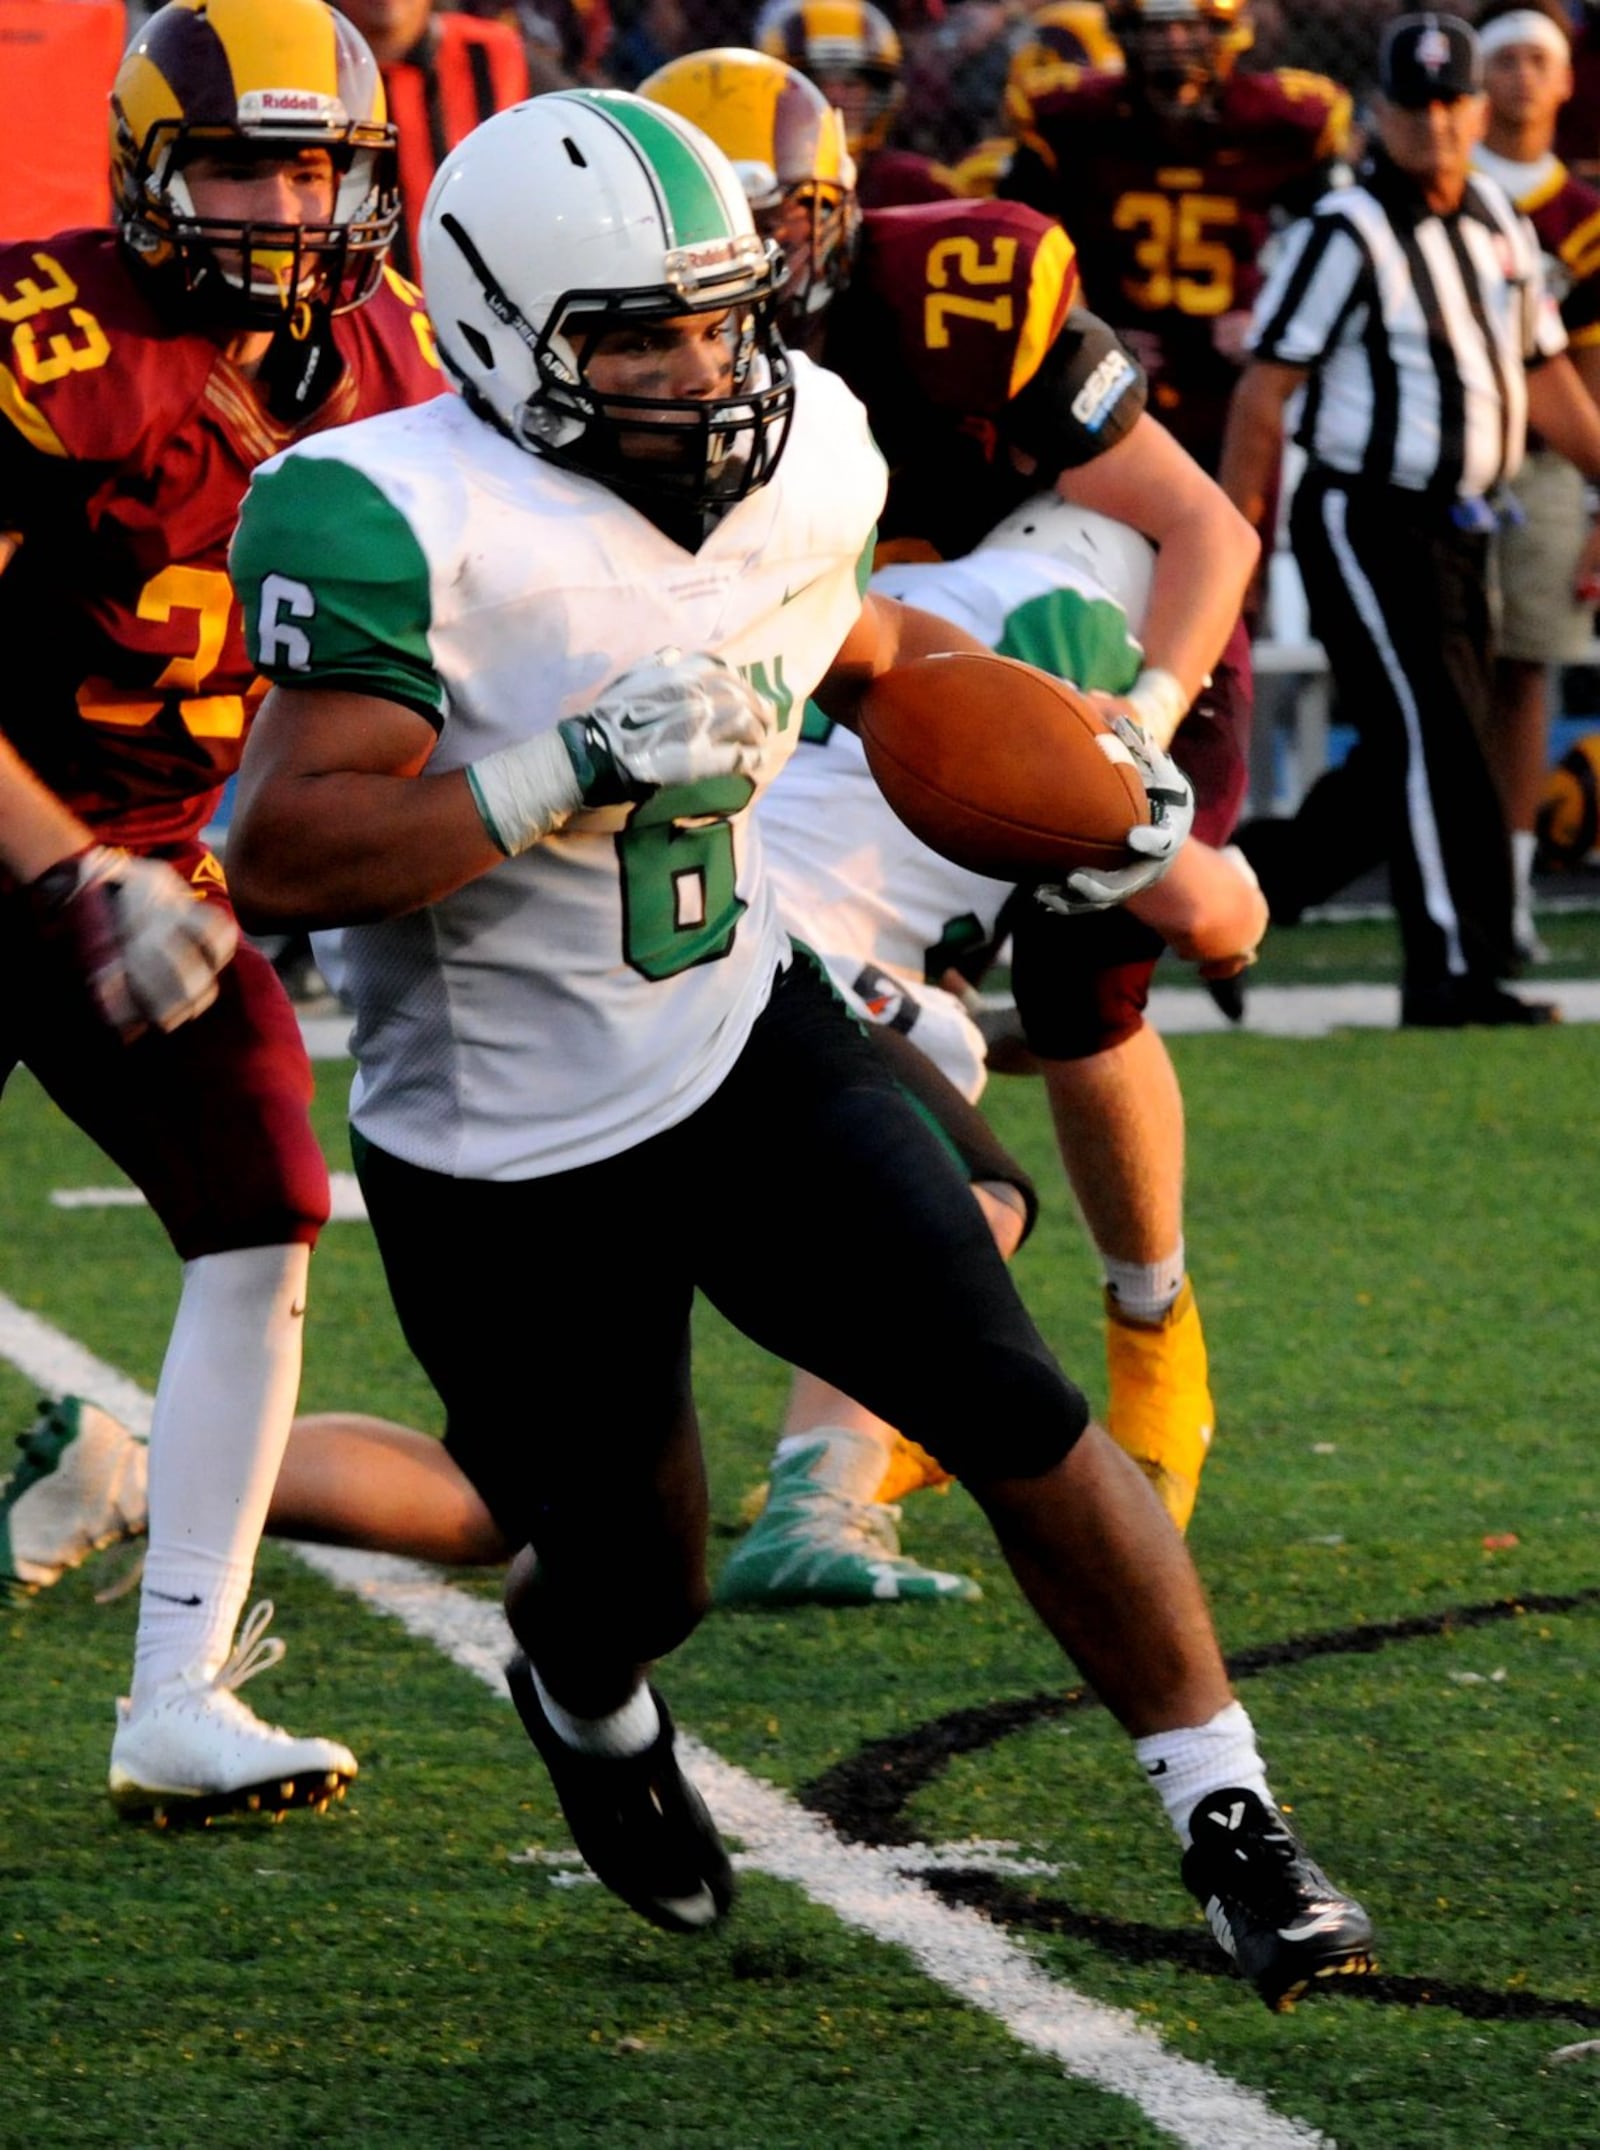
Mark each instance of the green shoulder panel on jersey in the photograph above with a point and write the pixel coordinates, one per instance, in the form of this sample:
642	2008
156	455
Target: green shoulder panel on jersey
334	584
1084	639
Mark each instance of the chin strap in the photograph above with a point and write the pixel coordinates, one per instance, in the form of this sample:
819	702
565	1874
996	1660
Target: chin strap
301	366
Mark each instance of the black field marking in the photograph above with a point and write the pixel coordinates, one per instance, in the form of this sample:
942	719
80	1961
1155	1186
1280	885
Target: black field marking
865	1796
1018	1910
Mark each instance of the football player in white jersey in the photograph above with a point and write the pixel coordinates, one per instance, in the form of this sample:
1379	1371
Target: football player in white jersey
594	1074
1023	379
897	927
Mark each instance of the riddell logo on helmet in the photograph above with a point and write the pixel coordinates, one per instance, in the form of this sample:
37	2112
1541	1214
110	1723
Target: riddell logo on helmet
256	106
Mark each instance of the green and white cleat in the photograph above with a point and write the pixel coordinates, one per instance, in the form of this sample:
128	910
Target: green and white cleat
813	1546
79	1487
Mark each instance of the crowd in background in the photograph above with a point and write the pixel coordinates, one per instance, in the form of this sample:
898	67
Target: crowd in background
953	56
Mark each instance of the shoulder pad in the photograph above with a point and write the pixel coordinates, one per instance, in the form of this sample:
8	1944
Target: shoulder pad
978	291
88	371
1298	101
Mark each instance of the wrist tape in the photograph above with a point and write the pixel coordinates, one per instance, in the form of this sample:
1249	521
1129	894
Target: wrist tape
525	791
1159	702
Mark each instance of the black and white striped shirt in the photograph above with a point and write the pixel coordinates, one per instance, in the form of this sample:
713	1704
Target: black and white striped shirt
1416	329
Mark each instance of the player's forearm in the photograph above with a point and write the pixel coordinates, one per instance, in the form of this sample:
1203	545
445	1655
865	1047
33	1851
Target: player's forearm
1205	551
337	821
1202	572
1560	407
343	849
1208	906
1586	364
1252	445
37	831
887	634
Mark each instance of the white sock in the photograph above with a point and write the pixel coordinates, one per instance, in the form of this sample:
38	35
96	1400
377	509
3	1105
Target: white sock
849	1463
1145	1291
1523	845
1523	930
1185	1765
629	1730
217	1435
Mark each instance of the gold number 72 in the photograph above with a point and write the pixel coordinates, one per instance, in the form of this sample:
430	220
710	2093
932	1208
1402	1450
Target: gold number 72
960	259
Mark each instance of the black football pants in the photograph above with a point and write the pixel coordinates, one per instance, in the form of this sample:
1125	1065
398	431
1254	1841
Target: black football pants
823	1214
1397	598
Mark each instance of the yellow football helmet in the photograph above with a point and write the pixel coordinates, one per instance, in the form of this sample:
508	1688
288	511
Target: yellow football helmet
851	50
1060	42
787	144
1179	52
239	79
1569	812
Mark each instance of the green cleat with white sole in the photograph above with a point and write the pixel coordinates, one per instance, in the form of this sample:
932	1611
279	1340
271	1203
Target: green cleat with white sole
814	1546
78	1488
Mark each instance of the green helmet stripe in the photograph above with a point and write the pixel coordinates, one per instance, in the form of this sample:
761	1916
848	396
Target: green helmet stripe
693	207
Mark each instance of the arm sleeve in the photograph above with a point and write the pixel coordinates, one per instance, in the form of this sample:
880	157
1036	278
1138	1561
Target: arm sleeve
335	585
1304	302
1086	396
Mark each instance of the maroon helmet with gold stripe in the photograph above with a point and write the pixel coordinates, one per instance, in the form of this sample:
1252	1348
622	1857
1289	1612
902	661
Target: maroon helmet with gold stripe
238	78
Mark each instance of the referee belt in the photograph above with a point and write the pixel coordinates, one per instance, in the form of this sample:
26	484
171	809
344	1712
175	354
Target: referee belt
1474	514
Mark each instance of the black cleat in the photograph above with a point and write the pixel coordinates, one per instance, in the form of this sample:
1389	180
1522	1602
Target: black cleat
1462	1003
638	1821
1270	1905
1228	995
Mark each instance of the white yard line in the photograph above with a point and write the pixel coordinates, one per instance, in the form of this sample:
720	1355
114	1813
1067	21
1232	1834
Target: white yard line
1272	1011
868	1889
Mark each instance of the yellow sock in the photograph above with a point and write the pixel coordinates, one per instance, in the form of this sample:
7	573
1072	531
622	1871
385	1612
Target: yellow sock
1160	1408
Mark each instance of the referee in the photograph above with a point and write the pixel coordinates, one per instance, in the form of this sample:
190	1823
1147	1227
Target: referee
1410	309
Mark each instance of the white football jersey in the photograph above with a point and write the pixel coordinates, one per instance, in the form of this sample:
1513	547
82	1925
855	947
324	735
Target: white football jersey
576	1000
887	915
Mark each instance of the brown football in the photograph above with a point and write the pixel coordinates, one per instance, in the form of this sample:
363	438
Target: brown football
1000	767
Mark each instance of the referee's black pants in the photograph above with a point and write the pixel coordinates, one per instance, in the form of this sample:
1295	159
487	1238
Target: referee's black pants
1397	598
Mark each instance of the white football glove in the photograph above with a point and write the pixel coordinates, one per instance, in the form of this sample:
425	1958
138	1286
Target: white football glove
147	947
674	720
669	722
1096	888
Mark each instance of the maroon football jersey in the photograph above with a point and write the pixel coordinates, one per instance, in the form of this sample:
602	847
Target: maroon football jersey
1578	121
125	448
1565	215
950	309
1170	223
895	178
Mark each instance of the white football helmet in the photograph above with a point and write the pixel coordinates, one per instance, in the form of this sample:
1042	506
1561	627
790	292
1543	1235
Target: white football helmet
574	214
1121	559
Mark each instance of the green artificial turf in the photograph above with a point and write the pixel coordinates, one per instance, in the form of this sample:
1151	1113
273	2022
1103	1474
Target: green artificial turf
1394	1244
